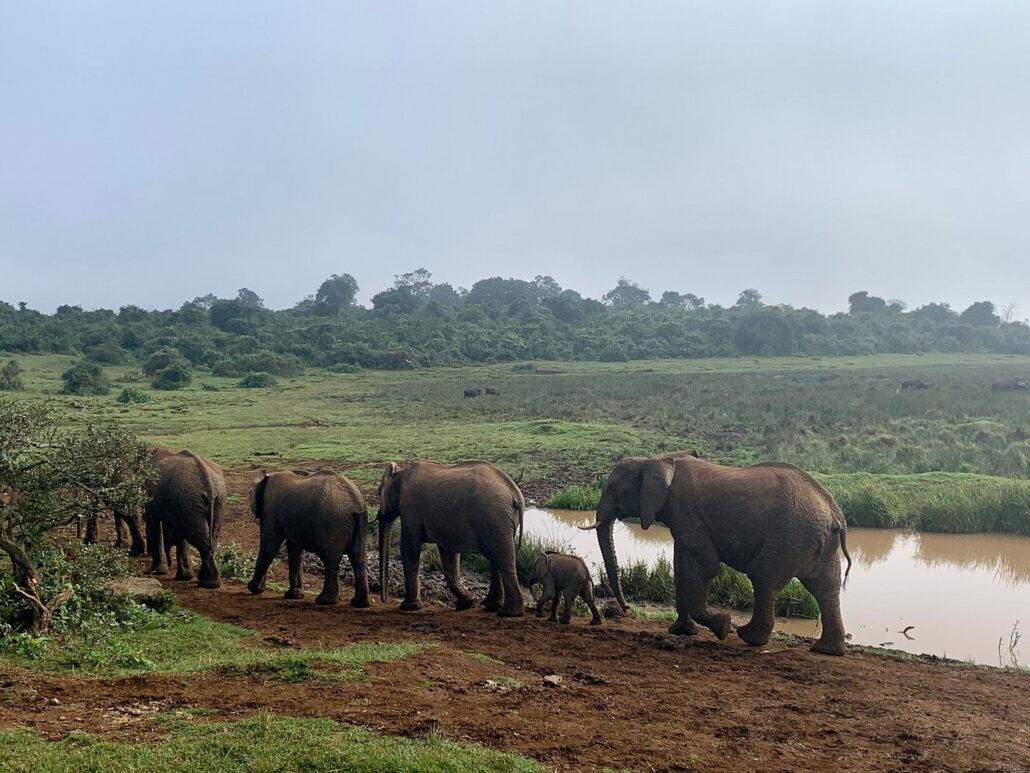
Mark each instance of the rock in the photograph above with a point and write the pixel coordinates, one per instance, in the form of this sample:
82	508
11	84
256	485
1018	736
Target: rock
552	680
141	589
612	610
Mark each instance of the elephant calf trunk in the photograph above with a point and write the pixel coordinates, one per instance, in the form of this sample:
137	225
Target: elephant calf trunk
385	528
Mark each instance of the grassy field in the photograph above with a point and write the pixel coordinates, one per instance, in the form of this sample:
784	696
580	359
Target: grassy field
568	420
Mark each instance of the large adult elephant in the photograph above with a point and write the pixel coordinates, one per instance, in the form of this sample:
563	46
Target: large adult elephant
185	508
771	521
323	513
470	507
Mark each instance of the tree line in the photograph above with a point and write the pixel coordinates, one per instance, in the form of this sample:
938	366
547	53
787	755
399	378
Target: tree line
417	322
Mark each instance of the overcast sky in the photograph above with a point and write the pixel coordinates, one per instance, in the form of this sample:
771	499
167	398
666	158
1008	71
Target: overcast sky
153	152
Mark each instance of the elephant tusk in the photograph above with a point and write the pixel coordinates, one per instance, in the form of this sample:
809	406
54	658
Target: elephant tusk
592	526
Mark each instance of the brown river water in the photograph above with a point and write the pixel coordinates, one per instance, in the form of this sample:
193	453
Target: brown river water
963	593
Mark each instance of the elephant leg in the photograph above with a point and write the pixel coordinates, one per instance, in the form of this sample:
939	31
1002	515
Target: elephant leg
452	574
266	555
411	555
294	557
119	531
91	530
695	566
154	546
588	598
502	559
331	587
556	598
136	545
768	577
546	594
569	598
357	565
183	563
208	576
826	589
492	602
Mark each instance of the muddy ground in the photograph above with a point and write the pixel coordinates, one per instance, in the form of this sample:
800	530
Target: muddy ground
630	696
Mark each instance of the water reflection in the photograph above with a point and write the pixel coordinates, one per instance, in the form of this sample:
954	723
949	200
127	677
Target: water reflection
963	593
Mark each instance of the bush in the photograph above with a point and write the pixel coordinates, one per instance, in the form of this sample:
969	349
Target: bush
207	386
234	563
161	359
613	353
286	365
258	381
175	376
131	395
344	367
106	353
85	378
10	377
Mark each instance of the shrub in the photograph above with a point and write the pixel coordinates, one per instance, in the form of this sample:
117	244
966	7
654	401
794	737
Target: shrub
106	353
10	377
613	353
344	367
175	376
132	395
160	360
85	378
258	381
234	563
286	365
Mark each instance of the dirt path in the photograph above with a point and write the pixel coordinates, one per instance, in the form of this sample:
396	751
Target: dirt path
630	696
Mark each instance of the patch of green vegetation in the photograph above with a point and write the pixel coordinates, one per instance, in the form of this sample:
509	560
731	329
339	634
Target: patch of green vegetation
133	396
576	497
258	380
183	642
484	658
507	682
263	743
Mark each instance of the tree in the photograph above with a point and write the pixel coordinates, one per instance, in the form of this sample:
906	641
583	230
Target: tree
174	376
85	378
336	294
935	312
418	282
249	299
49	478
981	313
10	377
626	294
862	302
1009	312
445	295
749	297
546	287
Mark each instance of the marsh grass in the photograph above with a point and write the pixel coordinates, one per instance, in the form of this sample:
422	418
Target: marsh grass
264	744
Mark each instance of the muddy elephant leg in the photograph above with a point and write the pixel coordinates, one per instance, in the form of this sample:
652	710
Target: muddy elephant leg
331	587
695	565
131	521
266	555
294	557
502	559
555	600
569	597
183	563
588	598
411	556
208	576
154	546
826	589
546	594
768	578
452	574
492	602
357	565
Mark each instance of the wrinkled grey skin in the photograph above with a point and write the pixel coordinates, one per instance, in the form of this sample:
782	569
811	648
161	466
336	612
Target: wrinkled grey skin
771	521
470	507
567	576
185	508
323	513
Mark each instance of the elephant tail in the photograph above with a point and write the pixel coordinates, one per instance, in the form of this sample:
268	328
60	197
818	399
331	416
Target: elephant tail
842	529
520	508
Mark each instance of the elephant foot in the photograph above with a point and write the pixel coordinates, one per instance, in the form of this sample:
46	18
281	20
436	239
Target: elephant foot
463	602
184	576
753	637
255	588
411	606
294	593
683	626
158	571
565	620
210	584
595	621
511	612
360	602
719	625
539	614
836	648
491	605
327	601
135	551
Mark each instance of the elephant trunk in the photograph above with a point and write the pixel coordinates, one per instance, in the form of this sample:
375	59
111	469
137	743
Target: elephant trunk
385	530
611	564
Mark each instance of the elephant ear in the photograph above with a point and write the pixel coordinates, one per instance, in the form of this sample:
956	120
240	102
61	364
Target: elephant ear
540	567
654	488
388	486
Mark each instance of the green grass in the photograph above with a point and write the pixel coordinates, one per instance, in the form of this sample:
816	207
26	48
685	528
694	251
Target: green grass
184	642
263	743
576	497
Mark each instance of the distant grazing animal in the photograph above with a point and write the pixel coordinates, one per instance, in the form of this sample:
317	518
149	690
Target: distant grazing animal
473	392
1015	385
563	576
913	383
493	391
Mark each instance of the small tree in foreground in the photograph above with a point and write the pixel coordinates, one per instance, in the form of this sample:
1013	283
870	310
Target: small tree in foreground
85	378
51	477
10	377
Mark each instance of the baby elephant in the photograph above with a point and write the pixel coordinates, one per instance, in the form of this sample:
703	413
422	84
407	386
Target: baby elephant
323	513
565	575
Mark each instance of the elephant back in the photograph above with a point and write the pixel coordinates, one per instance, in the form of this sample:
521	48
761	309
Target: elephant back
323	492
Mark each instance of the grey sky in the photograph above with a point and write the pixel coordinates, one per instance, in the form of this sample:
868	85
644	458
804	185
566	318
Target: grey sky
150	153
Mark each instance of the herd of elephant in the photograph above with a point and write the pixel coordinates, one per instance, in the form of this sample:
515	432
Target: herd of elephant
771	521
